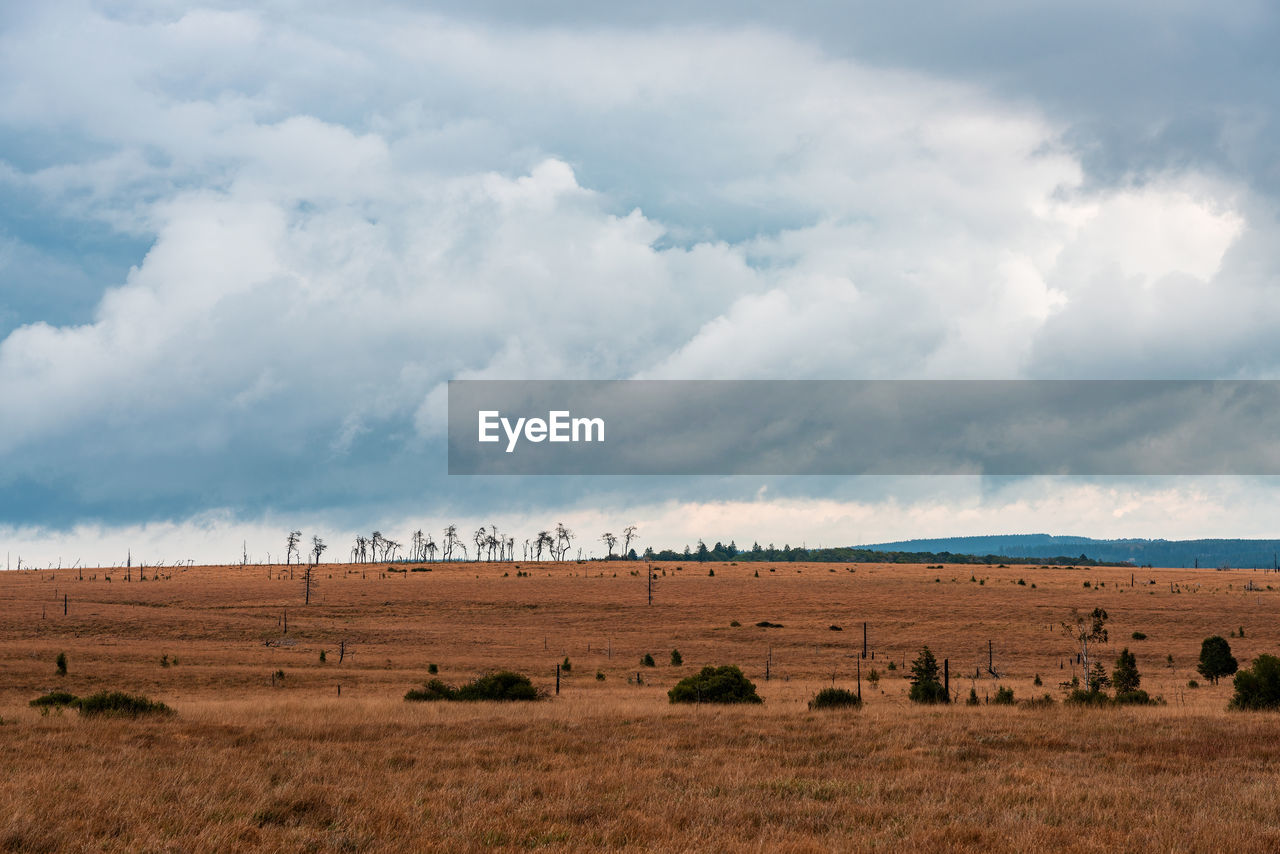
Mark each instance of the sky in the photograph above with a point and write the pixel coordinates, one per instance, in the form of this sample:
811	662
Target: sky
243	248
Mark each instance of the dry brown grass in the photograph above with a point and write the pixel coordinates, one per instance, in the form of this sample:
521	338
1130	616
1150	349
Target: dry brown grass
610	764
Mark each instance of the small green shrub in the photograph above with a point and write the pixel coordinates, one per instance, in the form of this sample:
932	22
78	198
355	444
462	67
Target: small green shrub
765	624
725	684
1136	697
835	698
55	699
433	690
1081	697
973	698
504	685
1037	681
893	665
834	628
118	704
1041	702
61	663
433	669
566	666
676	658
1139	636
323	657
733	624
647	661
599	676
1191	683
1003	697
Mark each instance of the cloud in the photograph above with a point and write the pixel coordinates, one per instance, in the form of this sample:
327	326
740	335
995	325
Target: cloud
341	212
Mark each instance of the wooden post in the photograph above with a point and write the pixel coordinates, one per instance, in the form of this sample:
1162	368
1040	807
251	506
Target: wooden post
64	604
864	639
557	680
768	661
859	663
946	677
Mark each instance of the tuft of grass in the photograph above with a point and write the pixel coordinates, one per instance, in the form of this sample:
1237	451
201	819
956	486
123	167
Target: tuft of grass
1139	636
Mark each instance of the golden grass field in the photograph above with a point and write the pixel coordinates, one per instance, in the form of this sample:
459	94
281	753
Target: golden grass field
296	766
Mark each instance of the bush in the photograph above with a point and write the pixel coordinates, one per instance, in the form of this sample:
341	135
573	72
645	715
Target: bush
1139	636
433	669
599	675
118	704
1003	697
504	685
1041	702
765	624
1136	697
676	658
433	690
973	698
54	699
322	659
1191	683
647	661
835	698
1259	686
61	664
733	624
1081	697
1037	681
724	684
565	666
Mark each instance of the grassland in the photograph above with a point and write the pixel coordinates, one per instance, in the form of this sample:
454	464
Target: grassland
330	757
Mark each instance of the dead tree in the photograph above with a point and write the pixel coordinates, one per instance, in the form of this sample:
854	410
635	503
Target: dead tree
291	547
609	541
308	582
317	548
628	534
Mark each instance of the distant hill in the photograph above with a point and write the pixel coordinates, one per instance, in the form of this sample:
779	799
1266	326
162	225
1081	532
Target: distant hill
1181	553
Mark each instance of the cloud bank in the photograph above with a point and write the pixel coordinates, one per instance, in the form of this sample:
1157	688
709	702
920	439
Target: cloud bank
244	249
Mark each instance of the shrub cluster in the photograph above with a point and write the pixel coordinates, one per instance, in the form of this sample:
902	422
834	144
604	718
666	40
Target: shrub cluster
835	698
725	684
503	685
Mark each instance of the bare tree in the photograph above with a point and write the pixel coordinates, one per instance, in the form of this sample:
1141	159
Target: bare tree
609	541
429	548
564	540
628	534
478	538
291	546
1085	629
450	541
317	547
543	540
308	581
